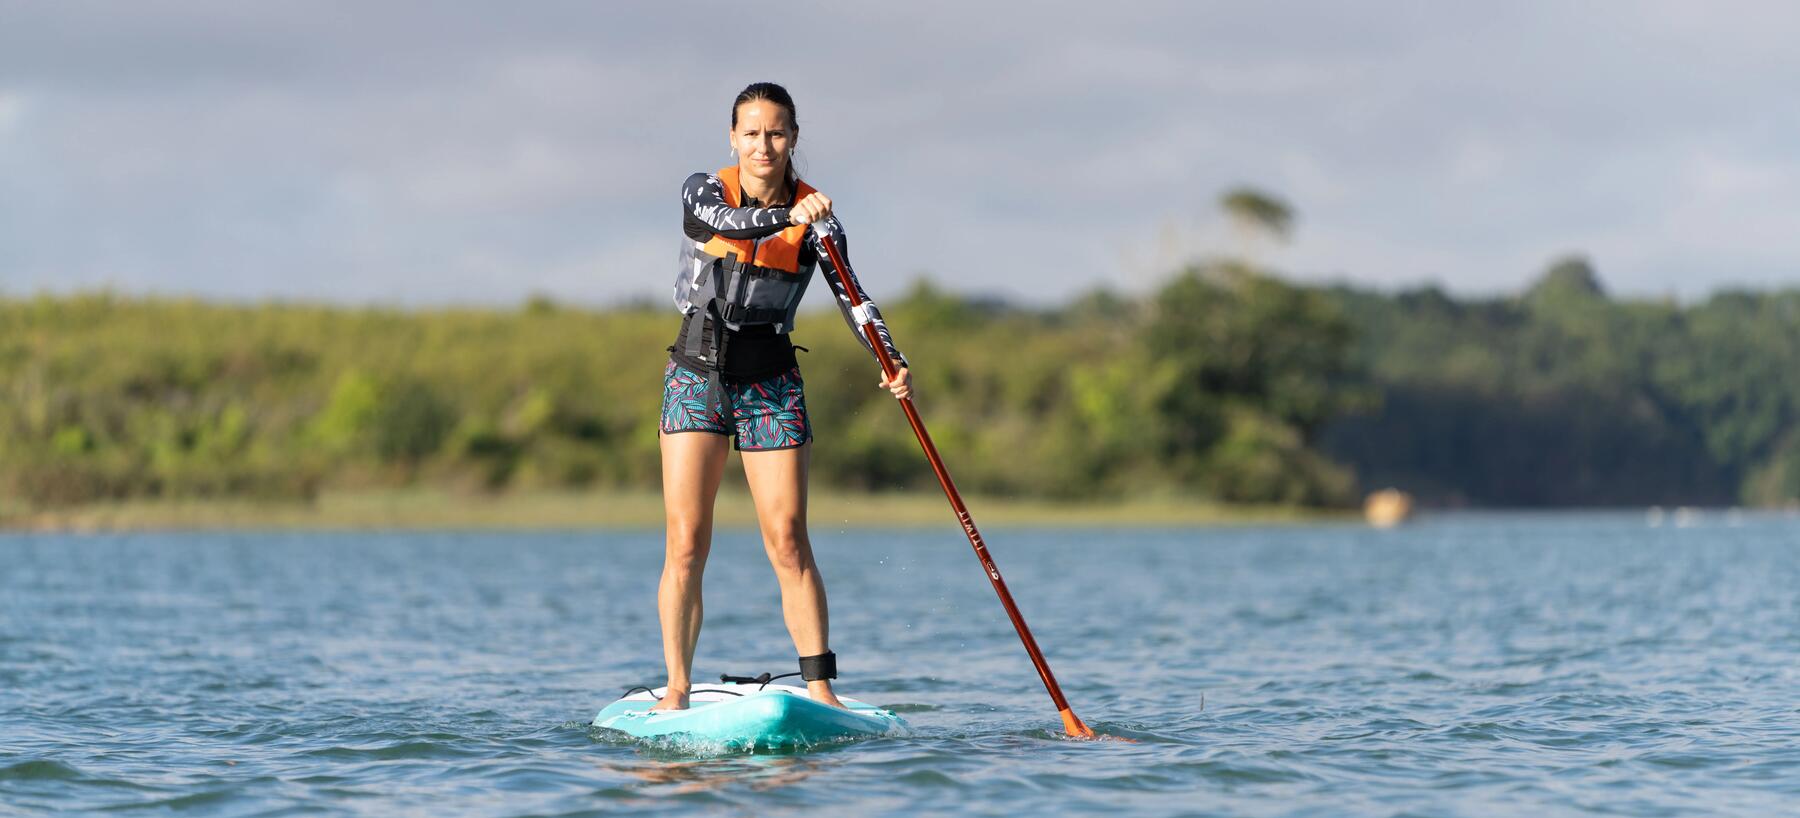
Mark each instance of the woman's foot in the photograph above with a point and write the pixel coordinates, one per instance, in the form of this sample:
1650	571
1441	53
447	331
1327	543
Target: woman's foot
820	691
675	700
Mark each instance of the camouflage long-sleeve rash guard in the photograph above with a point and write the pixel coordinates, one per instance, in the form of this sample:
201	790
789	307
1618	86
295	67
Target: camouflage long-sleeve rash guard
705	213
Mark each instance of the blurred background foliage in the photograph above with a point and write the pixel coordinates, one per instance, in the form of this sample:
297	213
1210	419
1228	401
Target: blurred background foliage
1227	384
1562	396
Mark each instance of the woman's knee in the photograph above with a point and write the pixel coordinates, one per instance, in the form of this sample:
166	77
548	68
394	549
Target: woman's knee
687	528
686	550
787	545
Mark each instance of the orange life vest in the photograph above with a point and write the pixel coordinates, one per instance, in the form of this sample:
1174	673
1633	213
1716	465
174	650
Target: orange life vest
779	252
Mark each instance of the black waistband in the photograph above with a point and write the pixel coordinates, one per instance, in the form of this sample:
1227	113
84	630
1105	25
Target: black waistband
754	353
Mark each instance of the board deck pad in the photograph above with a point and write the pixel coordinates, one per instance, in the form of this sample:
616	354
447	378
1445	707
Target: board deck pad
748	717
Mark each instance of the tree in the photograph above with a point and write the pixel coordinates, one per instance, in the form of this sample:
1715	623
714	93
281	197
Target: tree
1256	214
1569	280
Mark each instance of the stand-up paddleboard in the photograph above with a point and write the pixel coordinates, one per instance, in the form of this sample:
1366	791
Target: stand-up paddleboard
748	716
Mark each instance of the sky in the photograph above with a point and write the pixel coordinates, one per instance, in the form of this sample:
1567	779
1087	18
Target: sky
424	153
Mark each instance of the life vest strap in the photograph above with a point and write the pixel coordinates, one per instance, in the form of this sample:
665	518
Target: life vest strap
731	265
740	314
712	354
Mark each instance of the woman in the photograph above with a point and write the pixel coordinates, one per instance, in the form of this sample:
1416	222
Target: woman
753	234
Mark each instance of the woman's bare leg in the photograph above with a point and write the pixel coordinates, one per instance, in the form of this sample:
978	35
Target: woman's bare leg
778	486
692	465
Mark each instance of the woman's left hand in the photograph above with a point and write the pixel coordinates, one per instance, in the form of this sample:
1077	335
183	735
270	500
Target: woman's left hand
901	385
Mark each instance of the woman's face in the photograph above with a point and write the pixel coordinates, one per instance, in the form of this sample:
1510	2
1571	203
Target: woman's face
763	136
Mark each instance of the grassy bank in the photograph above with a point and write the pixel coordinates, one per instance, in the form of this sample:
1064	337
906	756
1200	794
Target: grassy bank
434	509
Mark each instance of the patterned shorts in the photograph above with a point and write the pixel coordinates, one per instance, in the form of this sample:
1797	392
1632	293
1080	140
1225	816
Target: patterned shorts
766	415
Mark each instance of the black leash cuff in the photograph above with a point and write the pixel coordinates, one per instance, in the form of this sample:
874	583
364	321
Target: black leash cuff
822	666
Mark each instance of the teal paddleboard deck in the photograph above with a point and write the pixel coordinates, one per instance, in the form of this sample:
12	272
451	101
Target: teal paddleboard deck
748	716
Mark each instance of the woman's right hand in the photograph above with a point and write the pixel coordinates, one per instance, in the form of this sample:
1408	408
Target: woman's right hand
813	207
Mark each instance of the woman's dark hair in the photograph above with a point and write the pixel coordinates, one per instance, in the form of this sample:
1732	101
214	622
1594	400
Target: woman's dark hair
769	91
778	95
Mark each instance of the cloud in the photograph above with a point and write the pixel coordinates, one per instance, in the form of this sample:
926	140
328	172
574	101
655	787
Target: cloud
12	111
428	152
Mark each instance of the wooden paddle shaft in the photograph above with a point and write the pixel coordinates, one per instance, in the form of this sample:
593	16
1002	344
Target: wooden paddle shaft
1071	723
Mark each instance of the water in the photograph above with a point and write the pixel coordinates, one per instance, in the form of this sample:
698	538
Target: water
1498	665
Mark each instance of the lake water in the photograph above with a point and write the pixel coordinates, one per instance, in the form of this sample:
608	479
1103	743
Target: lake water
1496	665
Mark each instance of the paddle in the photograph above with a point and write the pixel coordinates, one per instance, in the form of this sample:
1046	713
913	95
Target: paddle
1071	723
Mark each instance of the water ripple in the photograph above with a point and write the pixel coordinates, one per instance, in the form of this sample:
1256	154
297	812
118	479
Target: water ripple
1468	666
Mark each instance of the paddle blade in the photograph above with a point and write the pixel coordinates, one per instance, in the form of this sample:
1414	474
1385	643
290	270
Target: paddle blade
1076	728
1073	725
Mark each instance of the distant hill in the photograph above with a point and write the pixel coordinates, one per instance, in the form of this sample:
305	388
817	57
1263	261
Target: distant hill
1226	385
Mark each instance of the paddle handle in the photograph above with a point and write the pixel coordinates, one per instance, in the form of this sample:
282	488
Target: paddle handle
1072	724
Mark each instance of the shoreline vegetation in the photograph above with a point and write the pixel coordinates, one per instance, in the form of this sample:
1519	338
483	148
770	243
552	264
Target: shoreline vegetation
1226	393
426	508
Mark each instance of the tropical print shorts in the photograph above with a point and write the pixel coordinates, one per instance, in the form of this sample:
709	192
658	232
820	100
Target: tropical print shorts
763	416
